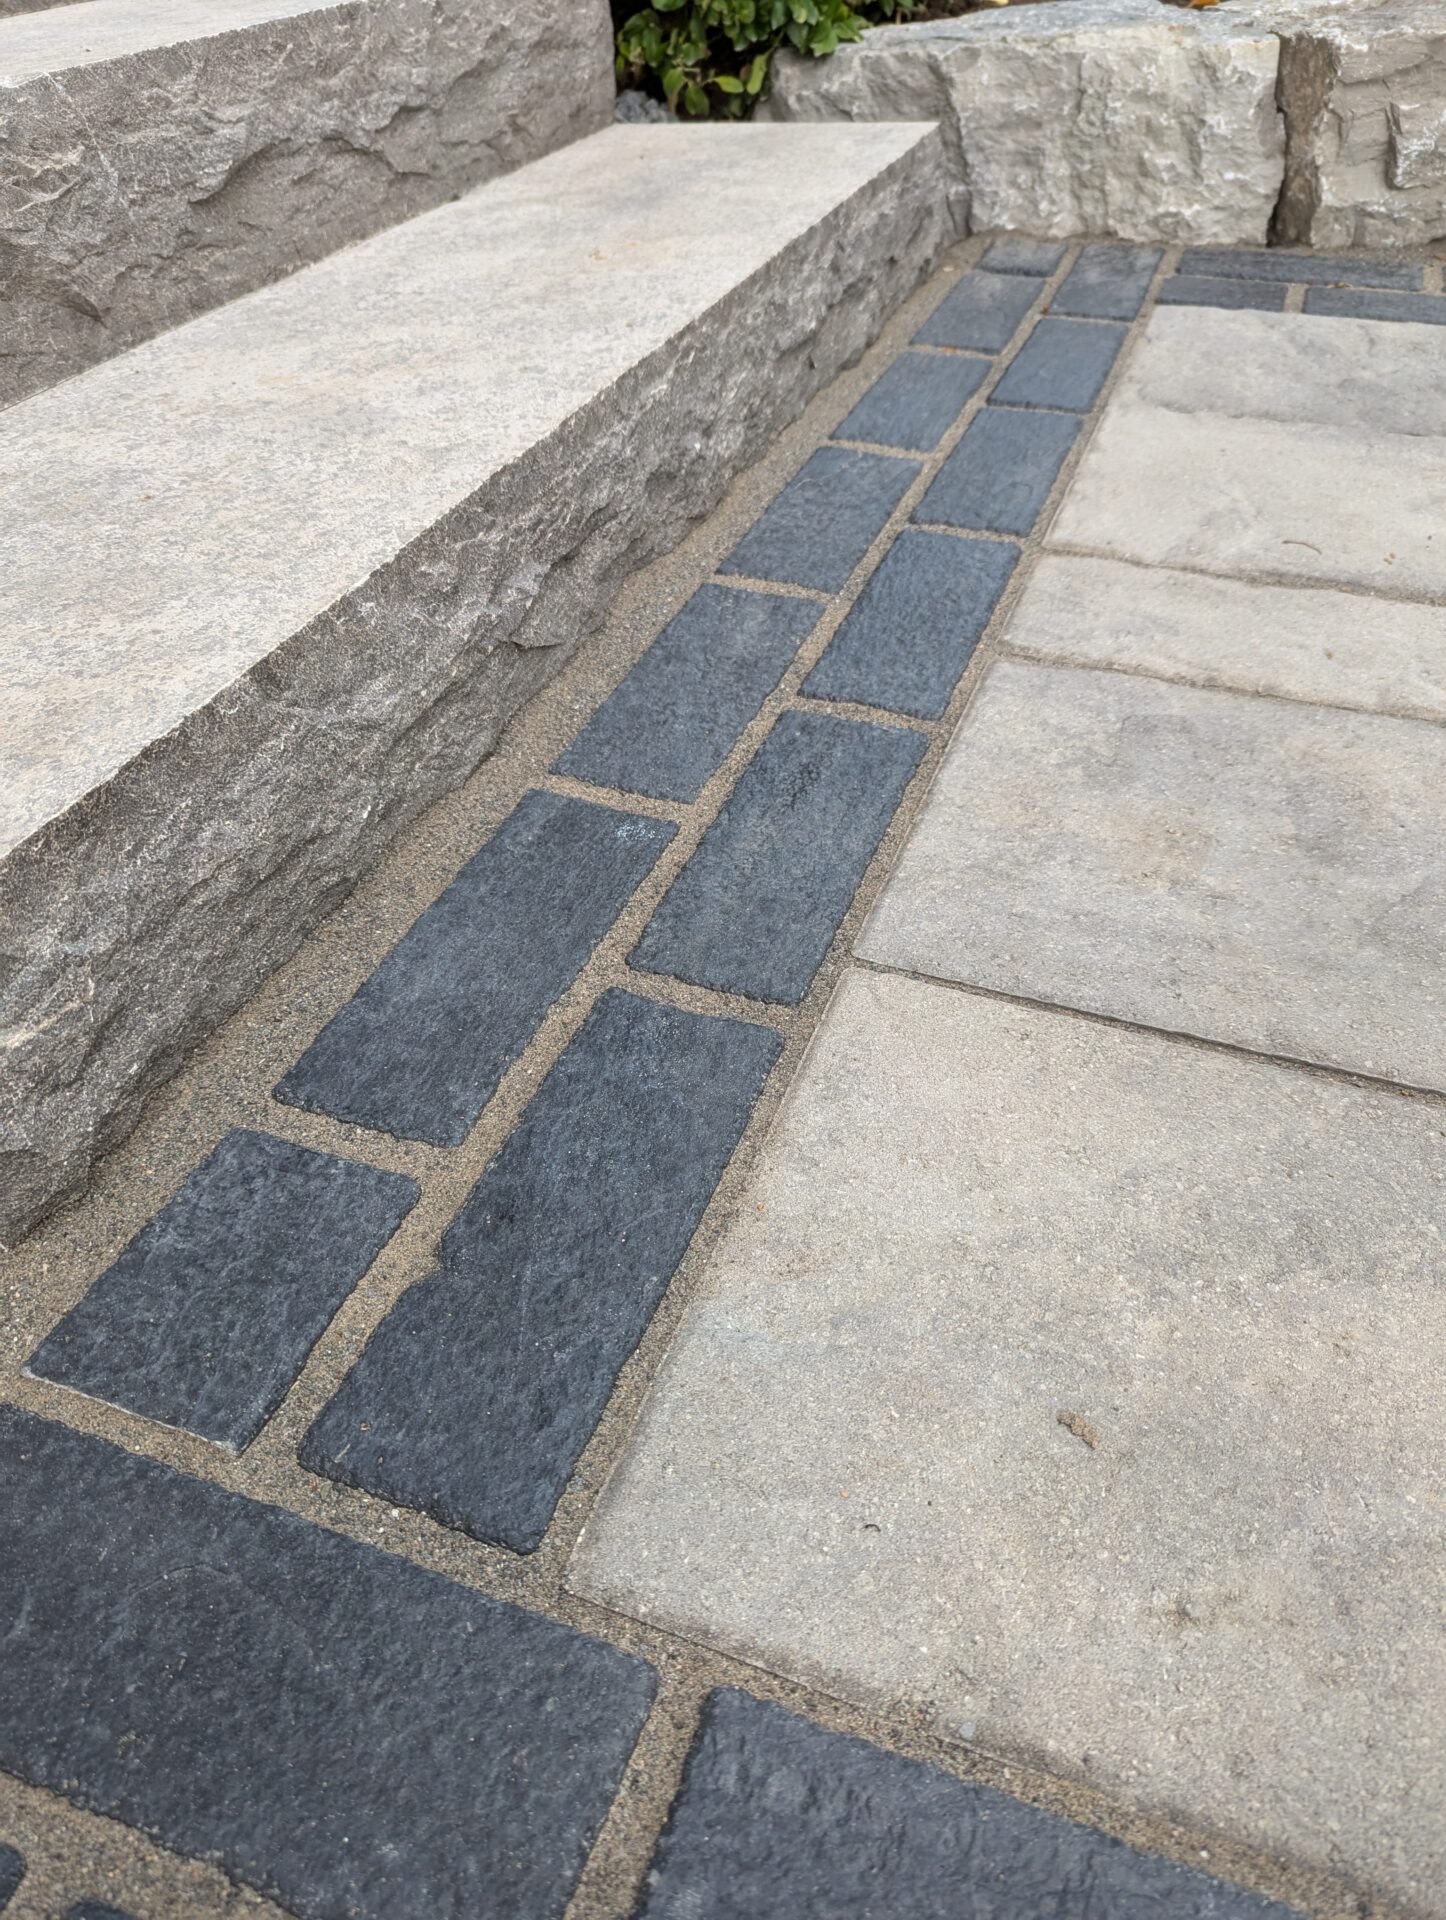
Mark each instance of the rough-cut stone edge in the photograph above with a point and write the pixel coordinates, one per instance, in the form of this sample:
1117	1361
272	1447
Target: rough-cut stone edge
168	894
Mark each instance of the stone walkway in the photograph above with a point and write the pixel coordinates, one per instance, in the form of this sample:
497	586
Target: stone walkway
957	969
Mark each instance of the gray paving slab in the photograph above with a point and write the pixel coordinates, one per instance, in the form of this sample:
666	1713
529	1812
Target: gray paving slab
1107	282
1252	871
1300	643
754	910
1076	1388
981	313
209	1314
1318	269
825	520
345	1732
1012	254
779	1819
916	401
670	725
1212	290
910	634
12	1872
419	1050
999	476
1063	363
476	1395
1427	309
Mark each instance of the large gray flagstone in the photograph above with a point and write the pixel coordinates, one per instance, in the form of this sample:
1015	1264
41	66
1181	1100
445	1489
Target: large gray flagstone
1253	871
1079	1389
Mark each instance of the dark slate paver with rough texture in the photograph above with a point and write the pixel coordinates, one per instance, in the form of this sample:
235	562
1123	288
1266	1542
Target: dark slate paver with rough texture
911	631
779	1819
1319	269
209	1314
1011	254
755	908
999	476
95	1910
916	401
1063	363
1107	282
980	314
478	1392
12	1872
346	1732
824	521
1214	290
669	726
1427	309
420	1049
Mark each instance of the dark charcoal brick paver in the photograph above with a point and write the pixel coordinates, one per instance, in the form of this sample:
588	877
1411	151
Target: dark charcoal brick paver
999	476
94	1910
1348	303
755	908
912	630
981	313
419	1050
12	1872
916	401
1014	255
481	1388
209	1314
1317	269
1107	282
825	520
1204	290
343	1731
778	1819
670	725
1063	363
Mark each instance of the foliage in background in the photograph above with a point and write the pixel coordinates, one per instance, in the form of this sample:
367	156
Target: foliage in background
710	59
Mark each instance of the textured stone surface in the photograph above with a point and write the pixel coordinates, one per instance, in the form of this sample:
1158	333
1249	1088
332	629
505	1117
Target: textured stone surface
1011	254
825	520
343	1731
419	1050
1063	363
209	1314
853	1467
1301	643
1107	283
12	1872
1103	116
999	476
779	1819
981	313
916	401
1209	290
1319	269
1252	871
1428	309
909	635
95	1910
480	1389
157	160
755	908
276	580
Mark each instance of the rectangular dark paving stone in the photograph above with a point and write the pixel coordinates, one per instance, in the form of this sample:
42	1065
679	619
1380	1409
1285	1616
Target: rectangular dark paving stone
12	1872
981	313
419	1050
477	1394
95	1910
210	1313
825	520
909	635
1063	363
1011	254
1107	282
755	908
1212	290
916	401
345	1732
1354	304
999	476
1318	269
779	1819
672	722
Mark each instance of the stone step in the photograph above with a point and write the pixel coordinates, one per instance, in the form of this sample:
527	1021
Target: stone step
277	579
164	158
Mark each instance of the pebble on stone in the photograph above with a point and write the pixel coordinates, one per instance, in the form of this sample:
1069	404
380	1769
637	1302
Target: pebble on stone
910	634
670	725
779	1819
1063	363
1354	304
755	908
824	521
419	1050
210	1313
12	1872
981	313
338	1729
1318	269
1107	283
916	401
478	1392
1206	290
1012	254
999	476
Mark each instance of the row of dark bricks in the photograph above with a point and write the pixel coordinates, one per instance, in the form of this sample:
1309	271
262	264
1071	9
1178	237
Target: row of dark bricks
12	1872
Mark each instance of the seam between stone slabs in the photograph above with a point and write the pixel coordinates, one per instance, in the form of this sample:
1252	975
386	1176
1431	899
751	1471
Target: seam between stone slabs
1252	576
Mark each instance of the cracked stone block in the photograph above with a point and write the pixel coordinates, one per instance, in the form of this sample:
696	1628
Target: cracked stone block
154	163
980	314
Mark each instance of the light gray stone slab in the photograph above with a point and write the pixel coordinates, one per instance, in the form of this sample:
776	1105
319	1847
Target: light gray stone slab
1302	643
1077	1389
276	580
158	159
1251	871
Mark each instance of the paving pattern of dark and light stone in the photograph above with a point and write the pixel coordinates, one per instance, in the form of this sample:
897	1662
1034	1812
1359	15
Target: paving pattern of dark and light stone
1034	1512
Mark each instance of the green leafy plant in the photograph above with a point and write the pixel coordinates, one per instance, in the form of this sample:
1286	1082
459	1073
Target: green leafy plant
710	59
